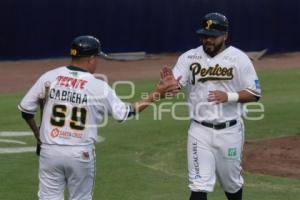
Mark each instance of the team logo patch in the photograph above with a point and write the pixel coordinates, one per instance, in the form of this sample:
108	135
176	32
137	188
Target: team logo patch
203	74
85	155
73	52
54	132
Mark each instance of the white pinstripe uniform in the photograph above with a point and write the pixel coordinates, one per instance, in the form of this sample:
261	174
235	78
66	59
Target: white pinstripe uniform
76	103
215	136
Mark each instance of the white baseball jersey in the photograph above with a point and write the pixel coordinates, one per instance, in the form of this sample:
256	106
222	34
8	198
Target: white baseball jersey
76	103
229	71
215	152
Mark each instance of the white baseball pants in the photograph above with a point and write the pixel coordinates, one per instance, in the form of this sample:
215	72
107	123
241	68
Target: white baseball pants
215	154
66	166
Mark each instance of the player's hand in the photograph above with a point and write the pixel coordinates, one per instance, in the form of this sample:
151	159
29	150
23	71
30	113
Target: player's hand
166	71
168	85
217	96
166	75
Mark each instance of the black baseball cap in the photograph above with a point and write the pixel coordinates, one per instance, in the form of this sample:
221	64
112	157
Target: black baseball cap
213	24
85	45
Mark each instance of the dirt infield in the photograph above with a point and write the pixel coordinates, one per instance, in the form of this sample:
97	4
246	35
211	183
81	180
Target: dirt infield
20	75
280	157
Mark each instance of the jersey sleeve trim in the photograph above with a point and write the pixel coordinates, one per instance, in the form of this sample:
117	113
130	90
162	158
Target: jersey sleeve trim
25	110
126	115
253	92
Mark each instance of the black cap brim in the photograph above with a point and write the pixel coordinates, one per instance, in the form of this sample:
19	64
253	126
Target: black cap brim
210	32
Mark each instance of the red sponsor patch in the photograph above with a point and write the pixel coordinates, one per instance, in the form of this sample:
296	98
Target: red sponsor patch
71	82
55	132
65	134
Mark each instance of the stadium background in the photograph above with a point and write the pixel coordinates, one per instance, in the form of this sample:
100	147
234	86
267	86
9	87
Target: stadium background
39	29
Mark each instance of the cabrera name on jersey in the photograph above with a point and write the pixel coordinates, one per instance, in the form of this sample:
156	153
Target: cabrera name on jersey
76	103
65	82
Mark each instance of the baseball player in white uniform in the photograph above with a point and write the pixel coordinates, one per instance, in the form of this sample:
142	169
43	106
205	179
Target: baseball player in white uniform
75	103
219	79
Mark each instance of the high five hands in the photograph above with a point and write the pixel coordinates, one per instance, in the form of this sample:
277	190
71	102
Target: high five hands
168	85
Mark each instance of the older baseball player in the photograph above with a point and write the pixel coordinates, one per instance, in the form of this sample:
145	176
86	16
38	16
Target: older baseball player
219	79
75	103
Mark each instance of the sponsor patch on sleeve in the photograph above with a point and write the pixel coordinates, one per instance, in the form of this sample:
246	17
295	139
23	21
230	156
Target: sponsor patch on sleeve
257	84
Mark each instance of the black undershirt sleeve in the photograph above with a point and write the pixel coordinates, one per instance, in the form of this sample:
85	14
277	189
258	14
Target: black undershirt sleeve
27	116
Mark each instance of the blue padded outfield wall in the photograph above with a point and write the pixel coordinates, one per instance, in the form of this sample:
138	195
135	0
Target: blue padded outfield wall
45	28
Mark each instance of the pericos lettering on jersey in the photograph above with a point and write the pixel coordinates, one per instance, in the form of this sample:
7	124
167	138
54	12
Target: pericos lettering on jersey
211	73
68	96
71	82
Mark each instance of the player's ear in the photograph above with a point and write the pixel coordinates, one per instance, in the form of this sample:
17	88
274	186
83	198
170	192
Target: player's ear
92	59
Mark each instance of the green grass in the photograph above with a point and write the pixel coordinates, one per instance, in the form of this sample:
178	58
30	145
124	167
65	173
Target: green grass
145	159
281	100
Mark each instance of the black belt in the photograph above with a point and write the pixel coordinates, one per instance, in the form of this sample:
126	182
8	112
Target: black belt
219	125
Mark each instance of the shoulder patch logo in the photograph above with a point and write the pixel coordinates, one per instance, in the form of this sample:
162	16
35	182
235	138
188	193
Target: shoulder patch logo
257	84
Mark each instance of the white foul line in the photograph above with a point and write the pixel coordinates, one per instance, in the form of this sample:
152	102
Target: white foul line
12	141
17	150
15	133
7	150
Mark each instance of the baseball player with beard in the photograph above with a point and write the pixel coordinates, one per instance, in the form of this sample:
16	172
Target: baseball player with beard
219	79
75	103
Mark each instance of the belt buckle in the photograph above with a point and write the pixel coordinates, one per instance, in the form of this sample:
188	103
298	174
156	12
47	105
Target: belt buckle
227	124
213	126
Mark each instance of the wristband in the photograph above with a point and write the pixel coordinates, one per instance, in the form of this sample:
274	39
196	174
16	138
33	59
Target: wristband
232	96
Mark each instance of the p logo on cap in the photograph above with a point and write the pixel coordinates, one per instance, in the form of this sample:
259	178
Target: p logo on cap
73	52
213	24
208	24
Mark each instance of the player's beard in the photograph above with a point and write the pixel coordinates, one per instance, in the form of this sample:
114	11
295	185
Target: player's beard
213	49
